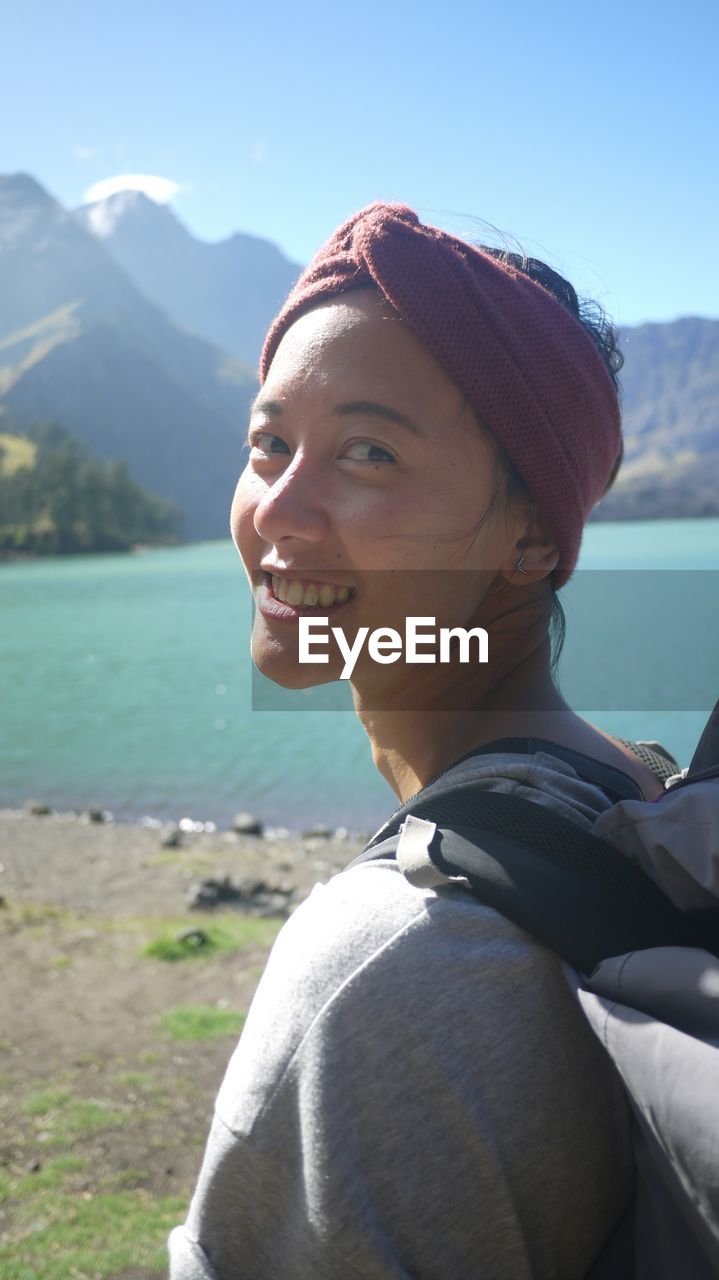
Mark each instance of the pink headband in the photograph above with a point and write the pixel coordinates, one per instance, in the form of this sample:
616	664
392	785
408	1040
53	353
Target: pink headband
530	371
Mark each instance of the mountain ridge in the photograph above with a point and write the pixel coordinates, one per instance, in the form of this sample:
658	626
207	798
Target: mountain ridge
226	290
83	342
79	343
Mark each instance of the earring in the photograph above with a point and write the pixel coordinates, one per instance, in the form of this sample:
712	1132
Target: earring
520	565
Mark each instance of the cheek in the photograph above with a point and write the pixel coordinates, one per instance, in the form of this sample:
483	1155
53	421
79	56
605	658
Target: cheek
242	515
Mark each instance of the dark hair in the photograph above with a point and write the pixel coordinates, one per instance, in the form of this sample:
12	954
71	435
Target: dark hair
597	324
590	315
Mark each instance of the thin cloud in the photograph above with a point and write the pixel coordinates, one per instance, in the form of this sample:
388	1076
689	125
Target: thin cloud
161	190
84	153
258	152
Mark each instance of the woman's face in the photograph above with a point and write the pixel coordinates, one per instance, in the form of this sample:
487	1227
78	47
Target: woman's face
367	478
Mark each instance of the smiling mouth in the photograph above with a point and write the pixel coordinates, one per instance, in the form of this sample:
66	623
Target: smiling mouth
305	594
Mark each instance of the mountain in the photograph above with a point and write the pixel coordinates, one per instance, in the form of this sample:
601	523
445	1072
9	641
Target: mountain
81	345
227	292
670	379
670	383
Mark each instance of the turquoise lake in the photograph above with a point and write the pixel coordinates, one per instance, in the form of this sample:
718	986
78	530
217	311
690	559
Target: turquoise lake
125	680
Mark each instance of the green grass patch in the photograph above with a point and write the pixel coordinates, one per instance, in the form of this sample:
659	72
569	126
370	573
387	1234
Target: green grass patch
66	1117
16	452
87	1116
53	1175
201	1022
42	1104
137	1080
229	934
88	1237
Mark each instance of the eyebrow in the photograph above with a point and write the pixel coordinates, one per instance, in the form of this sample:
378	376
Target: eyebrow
363	408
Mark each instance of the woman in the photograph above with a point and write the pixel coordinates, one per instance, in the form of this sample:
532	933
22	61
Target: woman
415	1092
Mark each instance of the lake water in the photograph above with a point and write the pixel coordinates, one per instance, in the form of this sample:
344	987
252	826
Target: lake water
125	681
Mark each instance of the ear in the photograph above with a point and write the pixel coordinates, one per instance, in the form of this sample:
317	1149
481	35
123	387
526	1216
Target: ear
534	548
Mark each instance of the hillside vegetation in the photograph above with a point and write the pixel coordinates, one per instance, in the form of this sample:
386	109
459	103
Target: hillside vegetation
56	497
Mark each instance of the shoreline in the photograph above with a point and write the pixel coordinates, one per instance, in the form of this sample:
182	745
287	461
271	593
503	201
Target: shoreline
596	518
135	549
75	864
244	825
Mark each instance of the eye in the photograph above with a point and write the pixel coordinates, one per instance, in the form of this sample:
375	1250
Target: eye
267	442
366	451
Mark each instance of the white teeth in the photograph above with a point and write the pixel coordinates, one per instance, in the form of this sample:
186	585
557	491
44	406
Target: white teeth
295	592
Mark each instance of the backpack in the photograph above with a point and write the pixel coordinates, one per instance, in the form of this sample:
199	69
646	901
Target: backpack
645	972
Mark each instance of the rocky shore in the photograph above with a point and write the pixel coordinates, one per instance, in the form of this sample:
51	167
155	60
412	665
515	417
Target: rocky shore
87	861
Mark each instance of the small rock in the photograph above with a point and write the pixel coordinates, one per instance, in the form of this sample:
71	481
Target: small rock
96	815
318	832
256	897
246	825
171	838
37	808
34	1166
193	939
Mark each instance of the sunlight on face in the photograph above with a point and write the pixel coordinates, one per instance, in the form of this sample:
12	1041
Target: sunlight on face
367	471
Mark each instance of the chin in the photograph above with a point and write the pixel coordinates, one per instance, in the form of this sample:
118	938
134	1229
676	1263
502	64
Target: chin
283	668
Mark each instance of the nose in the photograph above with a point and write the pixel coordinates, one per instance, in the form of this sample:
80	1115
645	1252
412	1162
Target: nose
293	507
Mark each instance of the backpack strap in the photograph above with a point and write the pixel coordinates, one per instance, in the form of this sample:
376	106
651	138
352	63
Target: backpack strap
654	756
572	891
705	761
615	783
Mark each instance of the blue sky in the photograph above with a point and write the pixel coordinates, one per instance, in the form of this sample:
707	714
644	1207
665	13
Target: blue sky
588	132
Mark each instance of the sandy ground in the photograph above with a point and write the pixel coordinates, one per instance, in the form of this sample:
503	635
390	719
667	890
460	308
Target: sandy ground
81	1006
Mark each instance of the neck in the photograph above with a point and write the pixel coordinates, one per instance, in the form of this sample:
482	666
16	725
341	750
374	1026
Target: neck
514	695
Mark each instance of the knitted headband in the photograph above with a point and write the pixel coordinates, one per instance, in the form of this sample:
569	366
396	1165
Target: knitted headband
530	371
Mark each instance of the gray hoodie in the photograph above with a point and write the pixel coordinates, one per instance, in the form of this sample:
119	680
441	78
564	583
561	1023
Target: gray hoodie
416	1092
